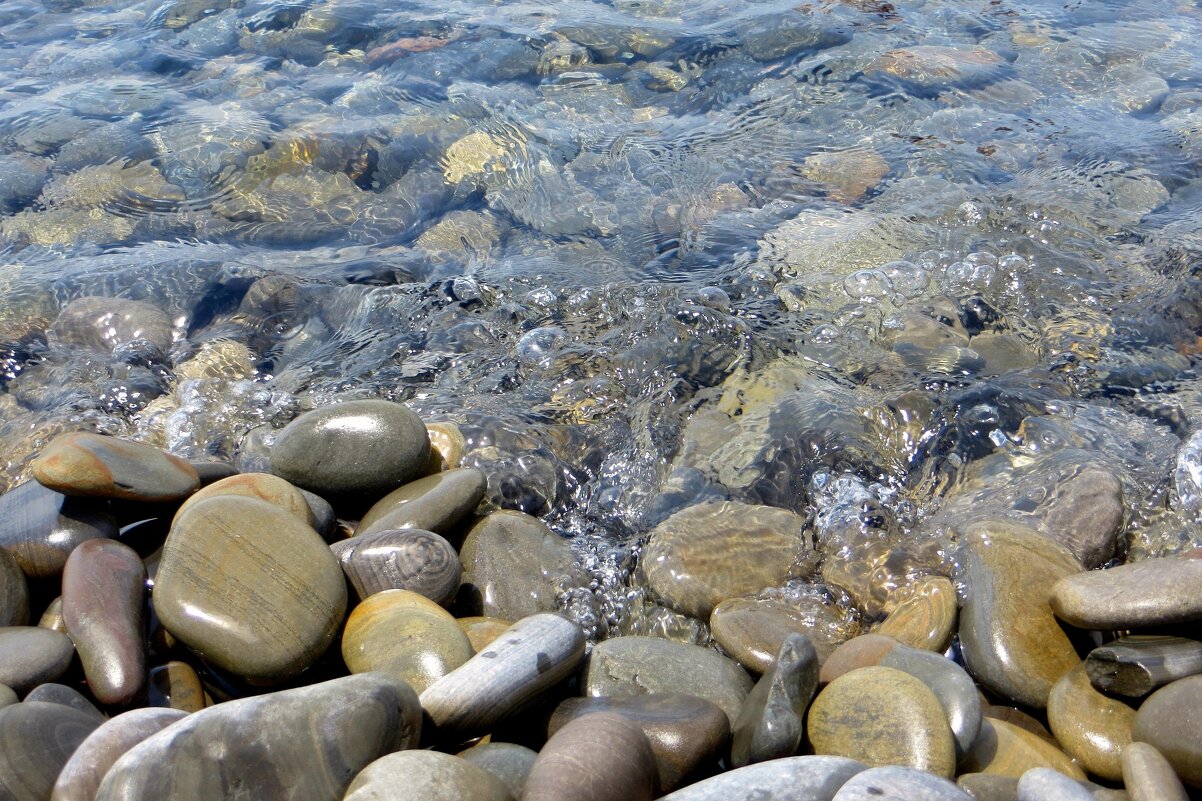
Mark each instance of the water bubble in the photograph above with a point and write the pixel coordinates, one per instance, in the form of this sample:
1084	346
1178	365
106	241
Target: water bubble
825	334
966	276
539	344
906	278
867	286
714	298
466	289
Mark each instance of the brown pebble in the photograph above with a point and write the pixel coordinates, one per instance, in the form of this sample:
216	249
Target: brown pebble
863	651
177	686
1148	776
598	757
94	465
925	615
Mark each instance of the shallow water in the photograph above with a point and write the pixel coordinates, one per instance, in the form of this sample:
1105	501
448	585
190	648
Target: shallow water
844	258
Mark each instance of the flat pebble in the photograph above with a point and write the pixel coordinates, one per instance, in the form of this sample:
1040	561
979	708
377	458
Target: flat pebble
106	467
752	630
1004	749
1168	720
81	776
1045	784
899	784
40	527
925	615
437	503
1148	776
1155	592
951	685
772	719
53	693
305	744
409	559
425	776
509	762
596	757
31	655
800	778
1091	727
14	592
105	323
36	740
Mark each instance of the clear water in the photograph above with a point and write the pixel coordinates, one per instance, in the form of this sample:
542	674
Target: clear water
827	256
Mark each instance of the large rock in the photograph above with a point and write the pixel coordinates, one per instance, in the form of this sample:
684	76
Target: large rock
306	744
106	467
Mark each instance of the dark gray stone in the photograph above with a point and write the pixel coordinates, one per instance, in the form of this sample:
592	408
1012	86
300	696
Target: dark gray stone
435	503
36	740
30	656
771	723
40	527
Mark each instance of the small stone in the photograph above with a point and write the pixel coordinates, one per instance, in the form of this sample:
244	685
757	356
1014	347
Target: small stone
752	630
409	559
176	685
1168	721
707	553
882	716
989	787
325	521
250	587
899	784
40	527
772	719
847	174
52	693
81	776
1136	665
447	446
263	486
509	762
1154	592
1148	776
14	592
52	618
634	666
1004	749
425	776
30	656
535	654
36	740
107	467
1085	514
481	631
437	503
305	744
1045	784
925	615
105	323
801	778
686	733
352	452
404	634
1091	727
8	696
597	757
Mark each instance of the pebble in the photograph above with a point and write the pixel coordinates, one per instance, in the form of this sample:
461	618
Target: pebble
509	762
1085	514
304	744
633	666
105	323
702	555
81	776
437	503
250	587
925	615
325	521
752	630
513	566
425	776
447	446
533	655
686	733
1011	642
1004	749
882	716
772	720
1045	784
40	527
894	783
1168	720
30	656
52	693
1148	776
263	486
481	631
52	618
989	786
8	696
36	740
176	685
800	778
106	467
1091	727
1136	665
601	756
14	592
405	634
352	452
408	559
1154	592
104	594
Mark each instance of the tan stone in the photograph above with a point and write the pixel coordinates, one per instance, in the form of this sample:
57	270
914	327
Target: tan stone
1092	727
1004	749
925	615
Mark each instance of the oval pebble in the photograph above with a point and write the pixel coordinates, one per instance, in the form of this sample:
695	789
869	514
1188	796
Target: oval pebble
437	503
94	465
36	740
52	693
40	527
596	757
1004	749
1168	720
425	776
1154	592
81	776
176	685
899	784
925	615
31	655
1148	776
411	559
800	778
1091	727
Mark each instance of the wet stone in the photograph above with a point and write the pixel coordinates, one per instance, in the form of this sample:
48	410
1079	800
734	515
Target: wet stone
352	452
447	446
924	616
410	559
481	631
596	757
1136	665
250	587
950	684
14	592
686	733
635	666
40	527
1003	749
752	630
1148	776
177	686
509	762
305	744
1154	592
52	693
30	656
898	784
107	467
263	486
104	588
52	618
325	520
882	716
772	720
801	778
81	776
425	776
435	503
989	787
1045	784
1168	721
105	323
36	740
1091	727
707	553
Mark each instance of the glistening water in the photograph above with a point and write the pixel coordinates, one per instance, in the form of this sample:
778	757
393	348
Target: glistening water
881	264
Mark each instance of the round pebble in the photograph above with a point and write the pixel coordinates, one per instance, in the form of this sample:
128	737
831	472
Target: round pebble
409	559
509	762
1091	727
425	776
925	615
263	486
1169	720
30	656
40	527
1155	592
107	467
1148	776
752	630
36	740
596	757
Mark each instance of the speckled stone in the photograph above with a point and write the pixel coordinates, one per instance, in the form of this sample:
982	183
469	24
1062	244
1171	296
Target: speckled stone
249	586
409	559
686	732
1045	784
509	762
81	776
305	744
752	630
882	716
513	566
36	740
104	593
435	503
107	467
1091	727
707	553
632	666
31	655
425	776
598	757
1148	776
1006	750
899	784
1154	592
801	778
535	654
176	685
40	527
352	452
925	615
1169	720
772	720
263	486
481	631
14	592
405	634
1010	639
52	693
